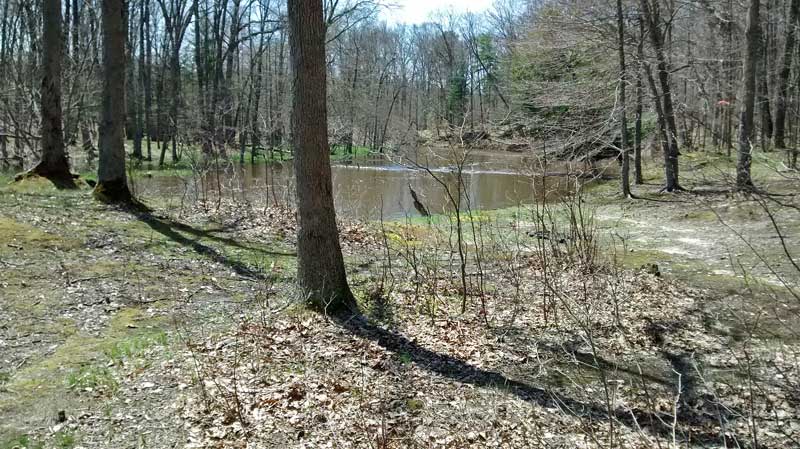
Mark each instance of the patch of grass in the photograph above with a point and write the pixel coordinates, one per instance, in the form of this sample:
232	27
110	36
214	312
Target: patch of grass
64	439
405	358
340	153
21	442
6	178
93	378
125	320
135	346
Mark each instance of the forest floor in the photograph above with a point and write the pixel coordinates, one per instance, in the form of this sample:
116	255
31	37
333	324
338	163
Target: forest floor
667	321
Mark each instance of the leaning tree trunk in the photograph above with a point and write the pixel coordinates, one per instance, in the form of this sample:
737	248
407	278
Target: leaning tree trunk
112	183
320	274
54	164
783	77
752	49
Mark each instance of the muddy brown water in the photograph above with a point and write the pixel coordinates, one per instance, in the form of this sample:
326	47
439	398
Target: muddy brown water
371	187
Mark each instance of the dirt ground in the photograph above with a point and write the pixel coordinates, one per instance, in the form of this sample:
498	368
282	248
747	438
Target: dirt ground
672	325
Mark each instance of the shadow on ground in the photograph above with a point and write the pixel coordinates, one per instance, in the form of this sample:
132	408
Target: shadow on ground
172	230
656	425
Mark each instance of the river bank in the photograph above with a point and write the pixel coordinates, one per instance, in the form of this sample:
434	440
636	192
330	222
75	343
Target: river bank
605	323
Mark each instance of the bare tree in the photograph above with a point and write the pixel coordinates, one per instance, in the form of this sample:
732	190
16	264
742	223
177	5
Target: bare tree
623	122
746	131
320	273
54	164
652	17
783	77
112	183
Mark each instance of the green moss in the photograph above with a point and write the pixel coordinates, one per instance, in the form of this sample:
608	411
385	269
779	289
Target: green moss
641	257
40	379
126	321
26	237
415	405
20	442
62	326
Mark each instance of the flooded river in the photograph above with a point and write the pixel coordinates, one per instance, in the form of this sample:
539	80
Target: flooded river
368	188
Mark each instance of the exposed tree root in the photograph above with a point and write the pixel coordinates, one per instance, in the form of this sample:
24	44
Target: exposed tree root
114	192
62	179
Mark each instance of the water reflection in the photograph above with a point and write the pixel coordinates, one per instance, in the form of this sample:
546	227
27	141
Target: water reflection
373	187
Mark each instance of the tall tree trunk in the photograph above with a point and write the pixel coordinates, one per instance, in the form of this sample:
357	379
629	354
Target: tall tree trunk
132	99
257	86
662	123
86	140
320	273
637	136
201	62
229	121
746	132
280	95
351	110
85	125
763	74
782	91
161	132
652	16
4	44
176	98
112	183
76	28
54	164
765	111
623	122
147	76
65	26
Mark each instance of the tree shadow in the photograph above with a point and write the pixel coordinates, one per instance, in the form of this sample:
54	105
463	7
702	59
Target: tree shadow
169	229
211	235
657	425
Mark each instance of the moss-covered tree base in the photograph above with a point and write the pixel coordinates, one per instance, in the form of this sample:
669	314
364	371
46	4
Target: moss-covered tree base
62	179
113	192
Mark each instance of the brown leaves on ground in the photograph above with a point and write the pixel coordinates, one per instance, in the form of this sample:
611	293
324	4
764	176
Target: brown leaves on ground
578	357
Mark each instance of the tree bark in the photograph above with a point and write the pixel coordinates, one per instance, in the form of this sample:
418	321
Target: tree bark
662	123
147	76
671	174
321	273
132	98
54	164
782	90
623	122
746	132
637	137
255	126
112	183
